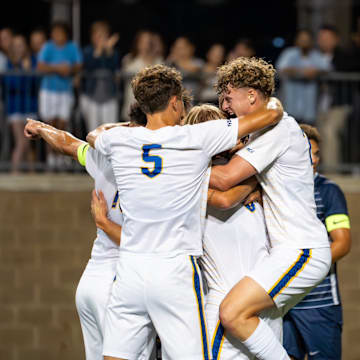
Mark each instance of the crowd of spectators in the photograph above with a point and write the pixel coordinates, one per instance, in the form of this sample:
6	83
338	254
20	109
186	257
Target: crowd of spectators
45	77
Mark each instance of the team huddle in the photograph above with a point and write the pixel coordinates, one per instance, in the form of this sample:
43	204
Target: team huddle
186	249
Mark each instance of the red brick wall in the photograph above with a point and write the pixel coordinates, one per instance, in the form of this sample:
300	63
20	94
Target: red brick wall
45	242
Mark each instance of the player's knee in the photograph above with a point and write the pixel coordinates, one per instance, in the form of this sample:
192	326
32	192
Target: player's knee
230	317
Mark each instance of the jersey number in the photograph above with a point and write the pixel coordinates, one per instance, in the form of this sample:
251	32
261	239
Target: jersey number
157	160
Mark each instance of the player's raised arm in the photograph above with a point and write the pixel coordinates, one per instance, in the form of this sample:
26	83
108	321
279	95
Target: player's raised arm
224	200
61	141
99	212
93	135
270	113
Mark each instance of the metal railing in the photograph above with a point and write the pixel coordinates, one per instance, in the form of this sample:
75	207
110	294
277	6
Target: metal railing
20	90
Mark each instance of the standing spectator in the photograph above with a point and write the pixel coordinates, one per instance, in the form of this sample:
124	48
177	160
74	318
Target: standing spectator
99	103
19	103
37	41
335	103
59	60
143	54
298	68
182	56
6	37
313	327
214	58
243	48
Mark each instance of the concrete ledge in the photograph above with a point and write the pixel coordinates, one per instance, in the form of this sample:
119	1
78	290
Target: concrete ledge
83	182
46	182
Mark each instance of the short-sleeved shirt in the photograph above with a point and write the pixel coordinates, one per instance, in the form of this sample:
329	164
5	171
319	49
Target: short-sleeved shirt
99	168
332	211
159	175
53	54
281	156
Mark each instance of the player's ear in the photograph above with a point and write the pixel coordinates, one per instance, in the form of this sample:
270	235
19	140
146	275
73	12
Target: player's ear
173	103
252	96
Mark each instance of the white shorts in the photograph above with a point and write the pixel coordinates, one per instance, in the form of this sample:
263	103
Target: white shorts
96	114
92	296
287	274
153	292
55	105
226	347
18	117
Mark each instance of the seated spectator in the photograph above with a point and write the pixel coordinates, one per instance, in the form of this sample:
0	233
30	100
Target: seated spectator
182	56
19	103
243	48
142	54
6	37
98	102
58	60
38	39
334	102
214	58
298	68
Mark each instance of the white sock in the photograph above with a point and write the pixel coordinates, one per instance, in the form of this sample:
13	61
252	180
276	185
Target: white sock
264	345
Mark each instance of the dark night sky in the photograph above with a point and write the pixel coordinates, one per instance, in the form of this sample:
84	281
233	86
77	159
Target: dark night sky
259	20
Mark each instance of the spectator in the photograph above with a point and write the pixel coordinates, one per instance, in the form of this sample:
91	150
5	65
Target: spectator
19	103
158	46
334	106
182	56
99	103
298	68
243	48
59	60
142	54
214	58
6	37
313	327
37	40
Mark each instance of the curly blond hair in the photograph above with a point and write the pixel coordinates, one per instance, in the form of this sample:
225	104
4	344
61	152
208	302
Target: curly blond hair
246	72
155	85
201	113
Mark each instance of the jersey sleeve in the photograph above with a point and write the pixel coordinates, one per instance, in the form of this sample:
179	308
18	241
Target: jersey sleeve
102	142
336	212
217	135
265	149
88	157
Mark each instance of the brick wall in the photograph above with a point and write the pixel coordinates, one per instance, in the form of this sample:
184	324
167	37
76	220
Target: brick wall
45	242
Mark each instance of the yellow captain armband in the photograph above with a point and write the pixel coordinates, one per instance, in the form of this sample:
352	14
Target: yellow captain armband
81	153
337	221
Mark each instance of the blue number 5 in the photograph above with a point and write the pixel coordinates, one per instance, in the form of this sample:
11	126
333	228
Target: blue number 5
157	160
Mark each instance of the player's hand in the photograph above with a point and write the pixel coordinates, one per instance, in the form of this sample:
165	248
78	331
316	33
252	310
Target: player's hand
254	196
99	208
32	129
111	42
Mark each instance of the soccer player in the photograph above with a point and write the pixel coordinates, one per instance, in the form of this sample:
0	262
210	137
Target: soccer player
234	242
313	327
159	171
299	256
94	288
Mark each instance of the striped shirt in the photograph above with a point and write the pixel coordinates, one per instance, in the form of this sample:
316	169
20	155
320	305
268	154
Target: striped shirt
329	200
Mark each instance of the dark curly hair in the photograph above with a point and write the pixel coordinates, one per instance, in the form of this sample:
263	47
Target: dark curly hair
155	85
246	72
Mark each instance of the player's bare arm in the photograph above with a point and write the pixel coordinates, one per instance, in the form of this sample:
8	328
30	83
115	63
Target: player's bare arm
266	115
224	177
61	141
228	199
341	243
99	212
92	136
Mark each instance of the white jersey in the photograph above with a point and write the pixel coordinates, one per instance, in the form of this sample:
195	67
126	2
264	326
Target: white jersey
234	241
282	159
159	174
99	168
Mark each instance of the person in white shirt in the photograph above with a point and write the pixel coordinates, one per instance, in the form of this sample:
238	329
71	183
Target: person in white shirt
300	256
94	288
234	242
159	171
